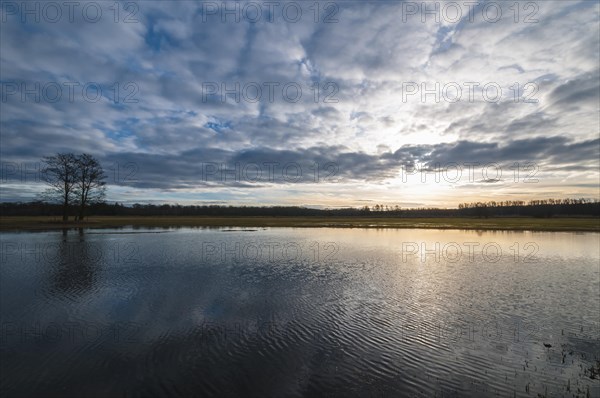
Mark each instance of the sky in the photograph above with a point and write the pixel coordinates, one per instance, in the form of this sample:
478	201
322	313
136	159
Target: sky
322	104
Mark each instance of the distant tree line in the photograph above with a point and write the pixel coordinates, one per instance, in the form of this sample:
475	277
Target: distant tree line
510	203
533	208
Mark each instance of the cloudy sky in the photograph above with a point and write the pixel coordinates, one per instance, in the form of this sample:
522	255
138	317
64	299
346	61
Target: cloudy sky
303	103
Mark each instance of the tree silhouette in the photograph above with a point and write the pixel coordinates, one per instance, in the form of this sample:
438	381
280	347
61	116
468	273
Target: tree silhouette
73	180
60	174
89	182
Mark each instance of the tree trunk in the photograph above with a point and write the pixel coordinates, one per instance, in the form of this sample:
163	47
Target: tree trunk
83	201
66	204
65	211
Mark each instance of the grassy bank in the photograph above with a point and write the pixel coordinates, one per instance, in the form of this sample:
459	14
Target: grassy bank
519	224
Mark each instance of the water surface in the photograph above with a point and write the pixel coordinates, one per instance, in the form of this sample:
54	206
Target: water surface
278	312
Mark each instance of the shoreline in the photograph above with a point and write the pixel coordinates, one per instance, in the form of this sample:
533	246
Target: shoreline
45	223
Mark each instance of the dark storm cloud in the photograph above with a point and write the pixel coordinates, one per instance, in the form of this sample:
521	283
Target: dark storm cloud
210	167
547	150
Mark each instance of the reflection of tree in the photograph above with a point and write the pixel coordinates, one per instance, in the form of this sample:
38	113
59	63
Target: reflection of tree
74	265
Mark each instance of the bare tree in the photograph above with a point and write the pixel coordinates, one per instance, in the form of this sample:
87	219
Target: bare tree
60	174
89	182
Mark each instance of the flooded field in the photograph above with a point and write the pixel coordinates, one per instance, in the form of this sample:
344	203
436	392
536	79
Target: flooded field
285	312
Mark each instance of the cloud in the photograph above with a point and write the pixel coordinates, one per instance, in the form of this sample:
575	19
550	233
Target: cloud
159	109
